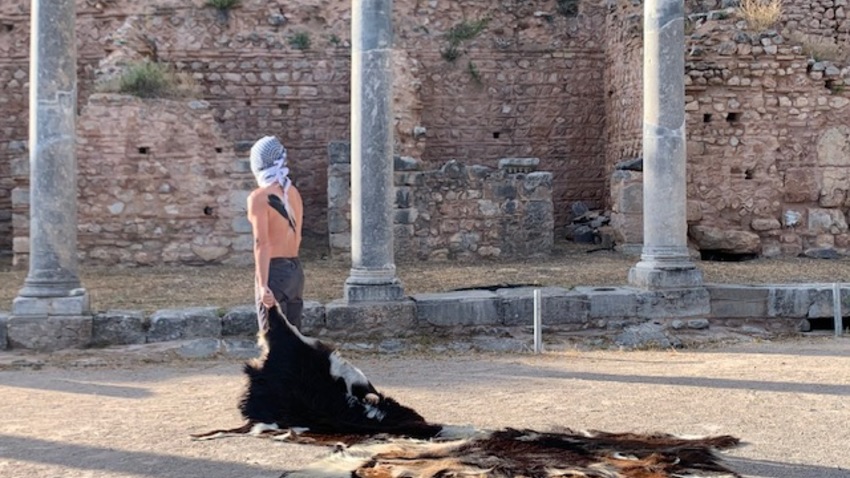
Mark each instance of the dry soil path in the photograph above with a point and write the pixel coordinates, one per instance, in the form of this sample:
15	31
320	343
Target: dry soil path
789	401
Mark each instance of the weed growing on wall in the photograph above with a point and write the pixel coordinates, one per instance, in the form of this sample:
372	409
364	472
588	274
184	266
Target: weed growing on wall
223	7
300	41
147	79
460	33
760	14
222	4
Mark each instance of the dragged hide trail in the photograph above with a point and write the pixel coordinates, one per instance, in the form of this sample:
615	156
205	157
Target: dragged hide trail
510	453
301	390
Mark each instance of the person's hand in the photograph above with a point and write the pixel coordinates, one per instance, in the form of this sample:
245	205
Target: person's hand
267	297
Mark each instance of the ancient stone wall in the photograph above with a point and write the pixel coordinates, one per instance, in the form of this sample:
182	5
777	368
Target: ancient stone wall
456	211
157	185
529	84
767	134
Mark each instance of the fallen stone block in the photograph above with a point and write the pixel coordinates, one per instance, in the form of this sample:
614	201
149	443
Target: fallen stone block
646	335
199	348
240	348
313	317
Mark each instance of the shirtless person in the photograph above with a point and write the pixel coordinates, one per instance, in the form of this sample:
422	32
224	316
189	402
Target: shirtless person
275	211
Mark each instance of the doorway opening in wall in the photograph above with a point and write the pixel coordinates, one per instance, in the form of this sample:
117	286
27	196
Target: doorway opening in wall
8	27
718	255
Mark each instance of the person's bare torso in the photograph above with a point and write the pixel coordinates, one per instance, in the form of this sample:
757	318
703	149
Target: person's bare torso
284	242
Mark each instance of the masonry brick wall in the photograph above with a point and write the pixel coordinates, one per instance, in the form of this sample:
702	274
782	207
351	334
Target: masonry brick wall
456	211
257	82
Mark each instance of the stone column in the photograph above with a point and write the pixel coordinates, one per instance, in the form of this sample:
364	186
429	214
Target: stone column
373	276
665	262
52	310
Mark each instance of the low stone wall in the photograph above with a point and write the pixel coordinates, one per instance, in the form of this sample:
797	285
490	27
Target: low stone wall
456	211
499	319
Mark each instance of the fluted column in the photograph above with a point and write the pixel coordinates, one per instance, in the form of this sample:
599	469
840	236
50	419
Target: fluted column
373	274
52	309
665	262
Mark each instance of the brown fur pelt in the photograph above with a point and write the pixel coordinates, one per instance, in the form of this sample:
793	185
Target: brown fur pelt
510	453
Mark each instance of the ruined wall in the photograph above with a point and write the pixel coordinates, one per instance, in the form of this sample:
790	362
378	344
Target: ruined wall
532	77
456	211
13	105
767	133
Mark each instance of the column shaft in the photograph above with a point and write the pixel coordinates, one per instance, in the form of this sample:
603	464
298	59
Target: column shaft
373	275
53	160
664	261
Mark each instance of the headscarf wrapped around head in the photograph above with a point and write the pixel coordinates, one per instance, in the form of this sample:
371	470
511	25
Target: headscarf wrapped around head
268	163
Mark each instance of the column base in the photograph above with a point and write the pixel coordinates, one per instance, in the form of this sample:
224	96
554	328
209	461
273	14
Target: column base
50	323
373	285
654	275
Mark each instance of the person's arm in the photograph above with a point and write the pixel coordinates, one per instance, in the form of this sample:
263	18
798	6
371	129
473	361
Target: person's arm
258	215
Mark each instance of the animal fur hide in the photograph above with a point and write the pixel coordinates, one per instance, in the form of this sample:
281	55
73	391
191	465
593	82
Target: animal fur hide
511	453
301	390
301	382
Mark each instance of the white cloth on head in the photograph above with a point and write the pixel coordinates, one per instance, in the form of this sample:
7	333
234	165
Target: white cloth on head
268	163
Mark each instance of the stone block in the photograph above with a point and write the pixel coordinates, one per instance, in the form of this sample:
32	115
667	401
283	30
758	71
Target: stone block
559	306
519	165
738	301
406	163
727	240
47	334
118	327
182	324
240	348
674	303
339	152
789	301
199	348
471	307
75	305
822	303
610	301
4	319
239	320
646	335
361	318
313	316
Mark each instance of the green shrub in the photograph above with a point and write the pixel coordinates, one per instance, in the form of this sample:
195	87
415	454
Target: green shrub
222	4
147	79
300	41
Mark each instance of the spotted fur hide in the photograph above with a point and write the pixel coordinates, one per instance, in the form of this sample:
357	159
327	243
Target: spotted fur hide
513	453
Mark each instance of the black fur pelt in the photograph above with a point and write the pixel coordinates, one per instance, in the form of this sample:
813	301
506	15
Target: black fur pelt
301	382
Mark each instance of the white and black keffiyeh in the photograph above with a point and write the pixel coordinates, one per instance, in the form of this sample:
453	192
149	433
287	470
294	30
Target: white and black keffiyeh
268	163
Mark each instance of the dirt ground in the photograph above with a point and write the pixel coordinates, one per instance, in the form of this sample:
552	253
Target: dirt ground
570	265
789	401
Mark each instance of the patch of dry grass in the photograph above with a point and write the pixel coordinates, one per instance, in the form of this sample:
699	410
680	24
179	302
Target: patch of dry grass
820	48
155	288
760	14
